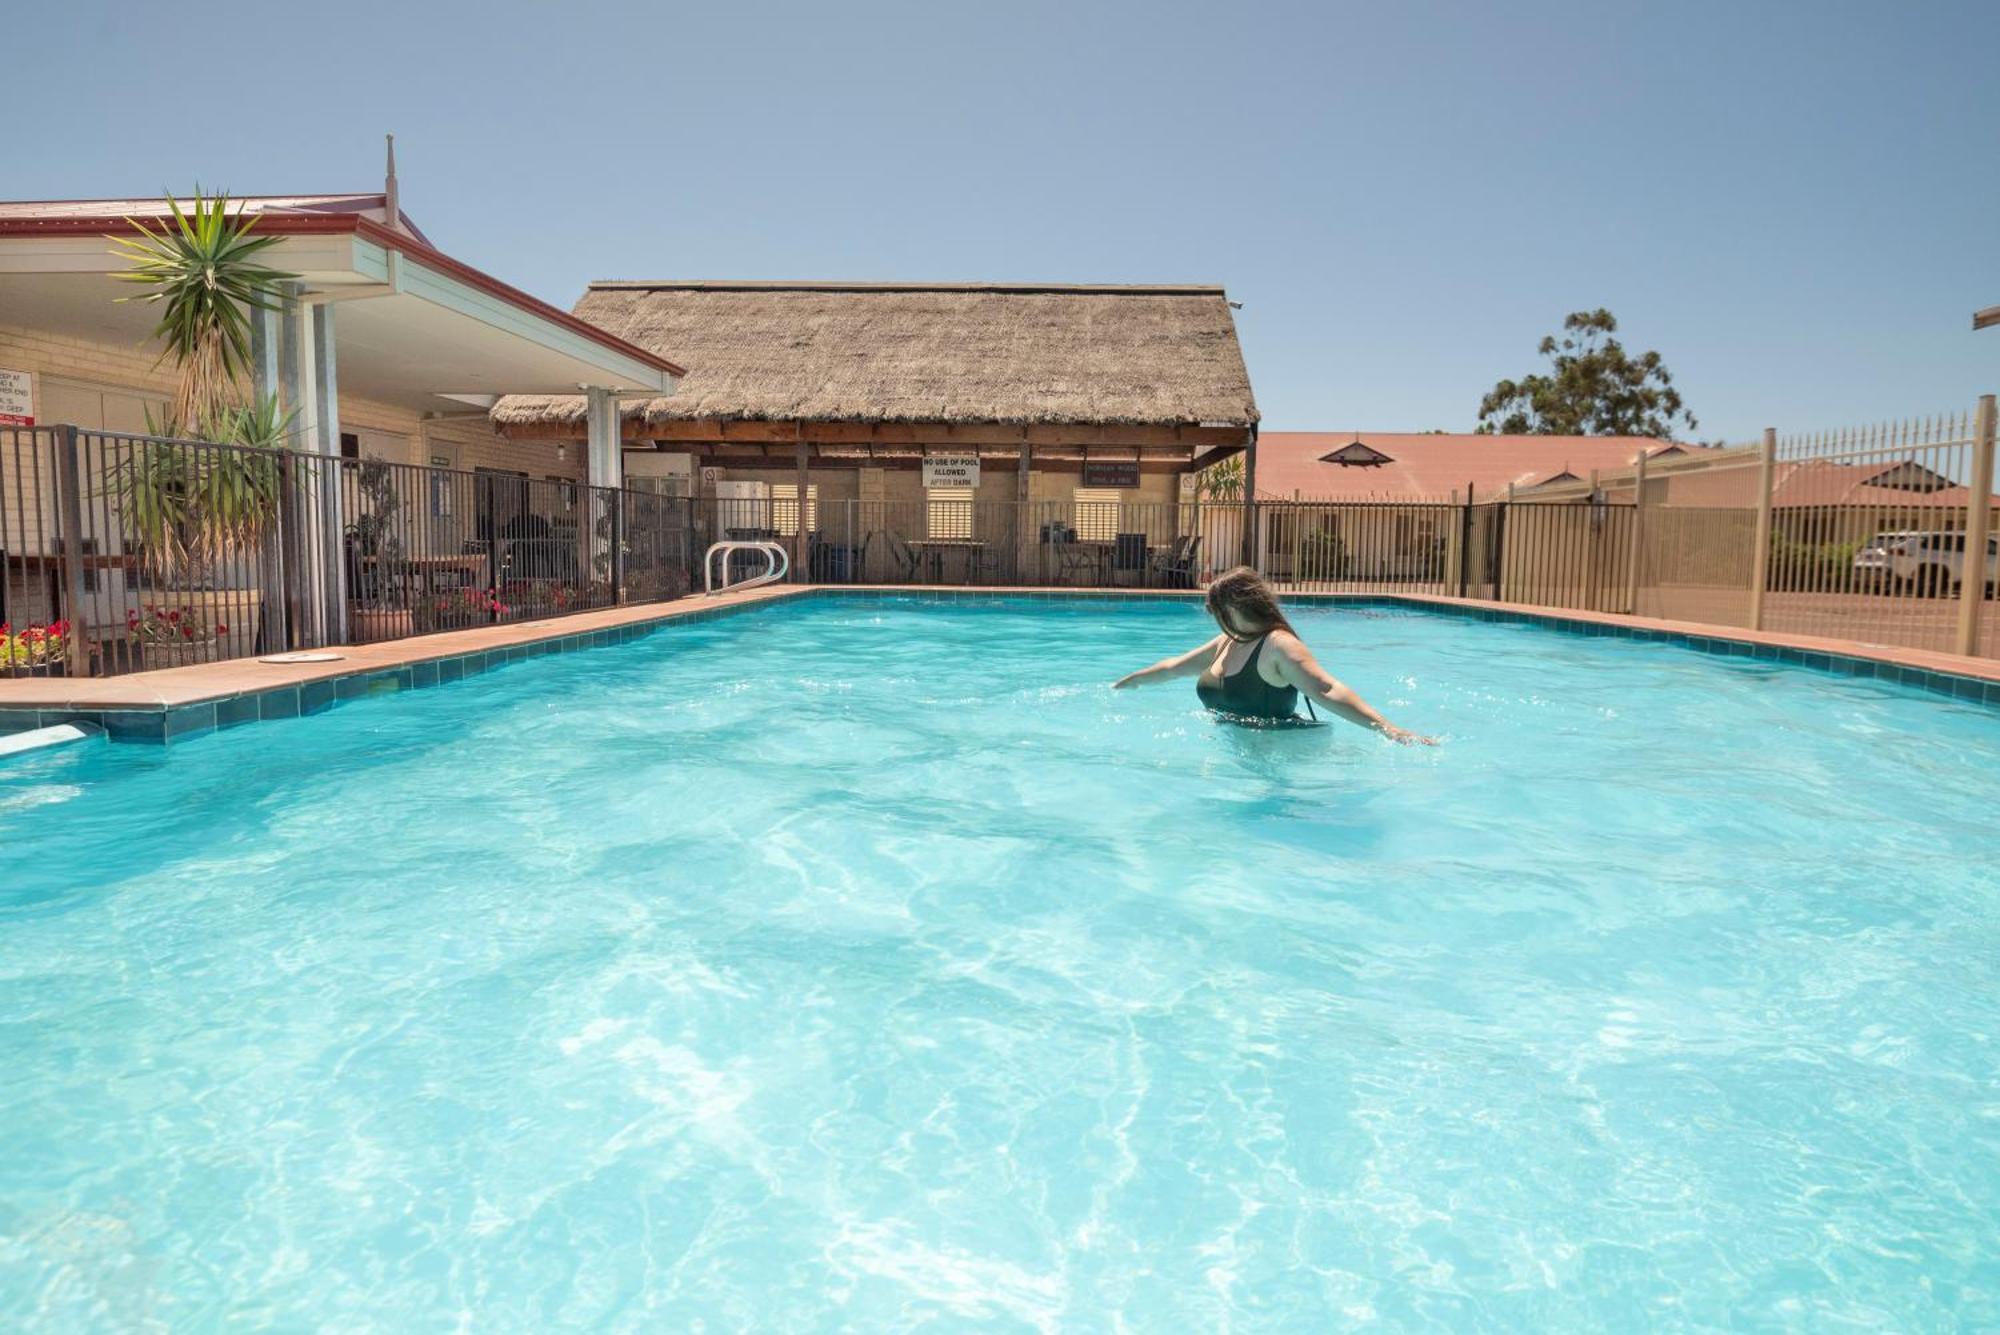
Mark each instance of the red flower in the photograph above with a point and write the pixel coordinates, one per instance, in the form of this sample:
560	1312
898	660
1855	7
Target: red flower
173	617
221	630
187	632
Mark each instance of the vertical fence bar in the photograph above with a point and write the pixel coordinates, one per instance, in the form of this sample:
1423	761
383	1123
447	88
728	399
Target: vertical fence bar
1760	550
70	487
1978	527
1637	553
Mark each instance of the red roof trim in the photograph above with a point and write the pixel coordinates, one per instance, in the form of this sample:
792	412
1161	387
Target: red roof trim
330	224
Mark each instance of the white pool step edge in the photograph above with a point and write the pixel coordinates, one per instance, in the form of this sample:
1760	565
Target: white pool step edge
37	739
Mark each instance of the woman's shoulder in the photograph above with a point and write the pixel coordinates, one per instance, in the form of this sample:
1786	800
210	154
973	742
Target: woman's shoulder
1285	641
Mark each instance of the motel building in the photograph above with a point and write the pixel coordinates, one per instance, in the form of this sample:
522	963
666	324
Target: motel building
385	348
940	433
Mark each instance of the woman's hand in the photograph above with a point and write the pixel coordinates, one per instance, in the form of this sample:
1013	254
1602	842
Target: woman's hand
1404	737
1127	680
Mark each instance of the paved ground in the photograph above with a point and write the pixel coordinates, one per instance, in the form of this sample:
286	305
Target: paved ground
1918	623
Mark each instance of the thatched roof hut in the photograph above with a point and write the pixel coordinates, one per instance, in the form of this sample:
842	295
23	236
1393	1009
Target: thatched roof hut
1126	364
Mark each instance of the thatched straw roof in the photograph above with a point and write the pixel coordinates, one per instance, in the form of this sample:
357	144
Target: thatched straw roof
894	352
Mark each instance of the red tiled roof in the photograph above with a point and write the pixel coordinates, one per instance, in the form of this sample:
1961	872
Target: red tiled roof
1814	482
1434	466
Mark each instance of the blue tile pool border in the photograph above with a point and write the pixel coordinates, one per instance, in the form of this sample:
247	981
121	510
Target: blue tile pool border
1956	686
165	724
181	722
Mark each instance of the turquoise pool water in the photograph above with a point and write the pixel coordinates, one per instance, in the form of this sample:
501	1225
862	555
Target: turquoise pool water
869	964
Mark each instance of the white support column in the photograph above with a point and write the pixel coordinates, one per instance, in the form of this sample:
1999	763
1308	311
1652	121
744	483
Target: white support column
323	484
264	341
604	466
604	462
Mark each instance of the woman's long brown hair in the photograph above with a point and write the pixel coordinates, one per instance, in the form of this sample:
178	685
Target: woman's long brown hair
1244	592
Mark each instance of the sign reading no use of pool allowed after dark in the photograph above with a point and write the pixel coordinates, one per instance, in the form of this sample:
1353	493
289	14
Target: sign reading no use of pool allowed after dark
951	470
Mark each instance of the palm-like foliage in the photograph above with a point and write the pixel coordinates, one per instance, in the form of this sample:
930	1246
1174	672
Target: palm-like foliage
1222	481
191	505
203	273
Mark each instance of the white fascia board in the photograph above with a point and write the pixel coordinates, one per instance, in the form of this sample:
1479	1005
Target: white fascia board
418	280
315	258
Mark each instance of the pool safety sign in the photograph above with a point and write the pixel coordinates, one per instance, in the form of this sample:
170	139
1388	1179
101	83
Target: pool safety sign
951	470
17	398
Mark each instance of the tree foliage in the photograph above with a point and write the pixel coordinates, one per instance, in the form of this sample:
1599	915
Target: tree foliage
1593	387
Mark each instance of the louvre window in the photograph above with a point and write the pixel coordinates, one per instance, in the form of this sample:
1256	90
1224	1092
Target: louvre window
785	507
1096	513
949	513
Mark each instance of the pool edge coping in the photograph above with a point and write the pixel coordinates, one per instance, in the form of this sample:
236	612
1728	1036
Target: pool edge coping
423	661
179	704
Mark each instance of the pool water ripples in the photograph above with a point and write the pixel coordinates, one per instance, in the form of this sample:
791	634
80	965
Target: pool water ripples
871	963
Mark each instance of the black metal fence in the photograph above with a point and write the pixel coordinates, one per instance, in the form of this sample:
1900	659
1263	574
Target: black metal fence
122	553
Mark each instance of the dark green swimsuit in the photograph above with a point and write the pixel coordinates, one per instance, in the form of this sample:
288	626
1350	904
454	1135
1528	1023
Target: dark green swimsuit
1245	694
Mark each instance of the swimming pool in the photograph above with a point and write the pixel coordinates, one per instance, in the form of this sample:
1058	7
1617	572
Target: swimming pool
868	961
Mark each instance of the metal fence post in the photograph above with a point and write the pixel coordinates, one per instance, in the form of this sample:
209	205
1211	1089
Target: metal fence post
1635	556
1978	528
1760	552
70	472
620	499
1465	543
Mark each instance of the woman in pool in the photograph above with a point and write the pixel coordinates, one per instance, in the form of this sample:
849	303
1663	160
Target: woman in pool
1257	667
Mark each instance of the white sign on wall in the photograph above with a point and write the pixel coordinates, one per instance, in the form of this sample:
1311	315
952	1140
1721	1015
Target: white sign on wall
17	398
951	470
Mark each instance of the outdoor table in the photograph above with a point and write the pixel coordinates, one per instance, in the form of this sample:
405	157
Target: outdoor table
404	568
933	550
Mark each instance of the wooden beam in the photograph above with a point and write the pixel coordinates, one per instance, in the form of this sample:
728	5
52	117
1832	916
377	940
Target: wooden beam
801	547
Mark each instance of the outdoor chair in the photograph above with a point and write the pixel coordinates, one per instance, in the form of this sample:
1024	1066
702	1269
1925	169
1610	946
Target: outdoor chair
1076	558
906	560
1174	568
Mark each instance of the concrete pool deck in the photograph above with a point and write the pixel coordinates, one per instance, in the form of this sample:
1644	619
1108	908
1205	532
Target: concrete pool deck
169	703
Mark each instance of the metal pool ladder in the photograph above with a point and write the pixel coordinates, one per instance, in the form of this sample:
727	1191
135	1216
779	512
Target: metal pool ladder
780	565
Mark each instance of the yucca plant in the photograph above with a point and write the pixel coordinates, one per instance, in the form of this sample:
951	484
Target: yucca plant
190	505
204	275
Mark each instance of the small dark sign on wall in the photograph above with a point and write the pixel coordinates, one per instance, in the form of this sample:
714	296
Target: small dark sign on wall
1111	474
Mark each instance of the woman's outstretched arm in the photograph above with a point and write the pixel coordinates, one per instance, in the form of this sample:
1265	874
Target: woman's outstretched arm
1188	664
1299	668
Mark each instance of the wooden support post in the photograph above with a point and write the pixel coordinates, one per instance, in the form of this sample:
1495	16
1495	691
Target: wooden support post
1760	553
803	544
1978	529
1026	539
1634	558
1250	500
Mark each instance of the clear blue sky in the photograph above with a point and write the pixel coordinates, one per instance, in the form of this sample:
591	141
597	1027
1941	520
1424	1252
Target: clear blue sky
1797	204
